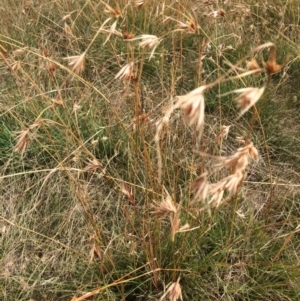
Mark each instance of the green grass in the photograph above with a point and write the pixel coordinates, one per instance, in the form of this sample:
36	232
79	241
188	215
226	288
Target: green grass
70	225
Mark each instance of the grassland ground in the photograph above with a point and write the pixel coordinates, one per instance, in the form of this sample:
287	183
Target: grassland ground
149	150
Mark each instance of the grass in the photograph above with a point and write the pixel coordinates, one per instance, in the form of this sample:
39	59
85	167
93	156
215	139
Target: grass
115	188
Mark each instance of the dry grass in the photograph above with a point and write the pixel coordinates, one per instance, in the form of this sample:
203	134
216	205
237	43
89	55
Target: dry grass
145	143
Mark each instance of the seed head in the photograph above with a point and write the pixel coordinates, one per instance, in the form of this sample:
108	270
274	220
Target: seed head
76	107
112	31
92	165
58	101
128	35
224	133
23	140
216	191
253	65
229	184
200	186
126	72
16	65
51	67
137	3
248	97
271	65
250	149
67	29
16	52
37	123
190	27
173	292
238	164
217	14
165	208
193	106
25	136
116	12
77	63
232	182
239	160
148	41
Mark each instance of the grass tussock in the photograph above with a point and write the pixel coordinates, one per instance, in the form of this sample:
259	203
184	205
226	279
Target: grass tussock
149	150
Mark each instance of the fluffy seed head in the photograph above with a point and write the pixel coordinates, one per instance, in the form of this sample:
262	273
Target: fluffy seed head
200	186
126	72
137	3
232	182
58	101
239	160
216	192
149	41
77	63
23	140
16	52
253	65
250	149
92	165
116	12
248	97
238	164
191	26
76	107
173	292
67	29
217	14
224	133
16	65
193	106
165	208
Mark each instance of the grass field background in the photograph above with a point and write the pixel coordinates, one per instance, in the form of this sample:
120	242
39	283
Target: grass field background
108	174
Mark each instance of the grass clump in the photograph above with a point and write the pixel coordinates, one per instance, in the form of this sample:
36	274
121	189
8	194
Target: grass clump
149	150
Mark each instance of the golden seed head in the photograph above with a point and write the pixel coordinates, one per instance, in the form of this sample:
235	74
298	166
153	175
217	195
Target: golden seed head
224	133
92	165
137	3
253	65
193	106
200	186
67	29
23	140
16	66
126	72
165	208
116	12
77	63
149	41
173	292
248	97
